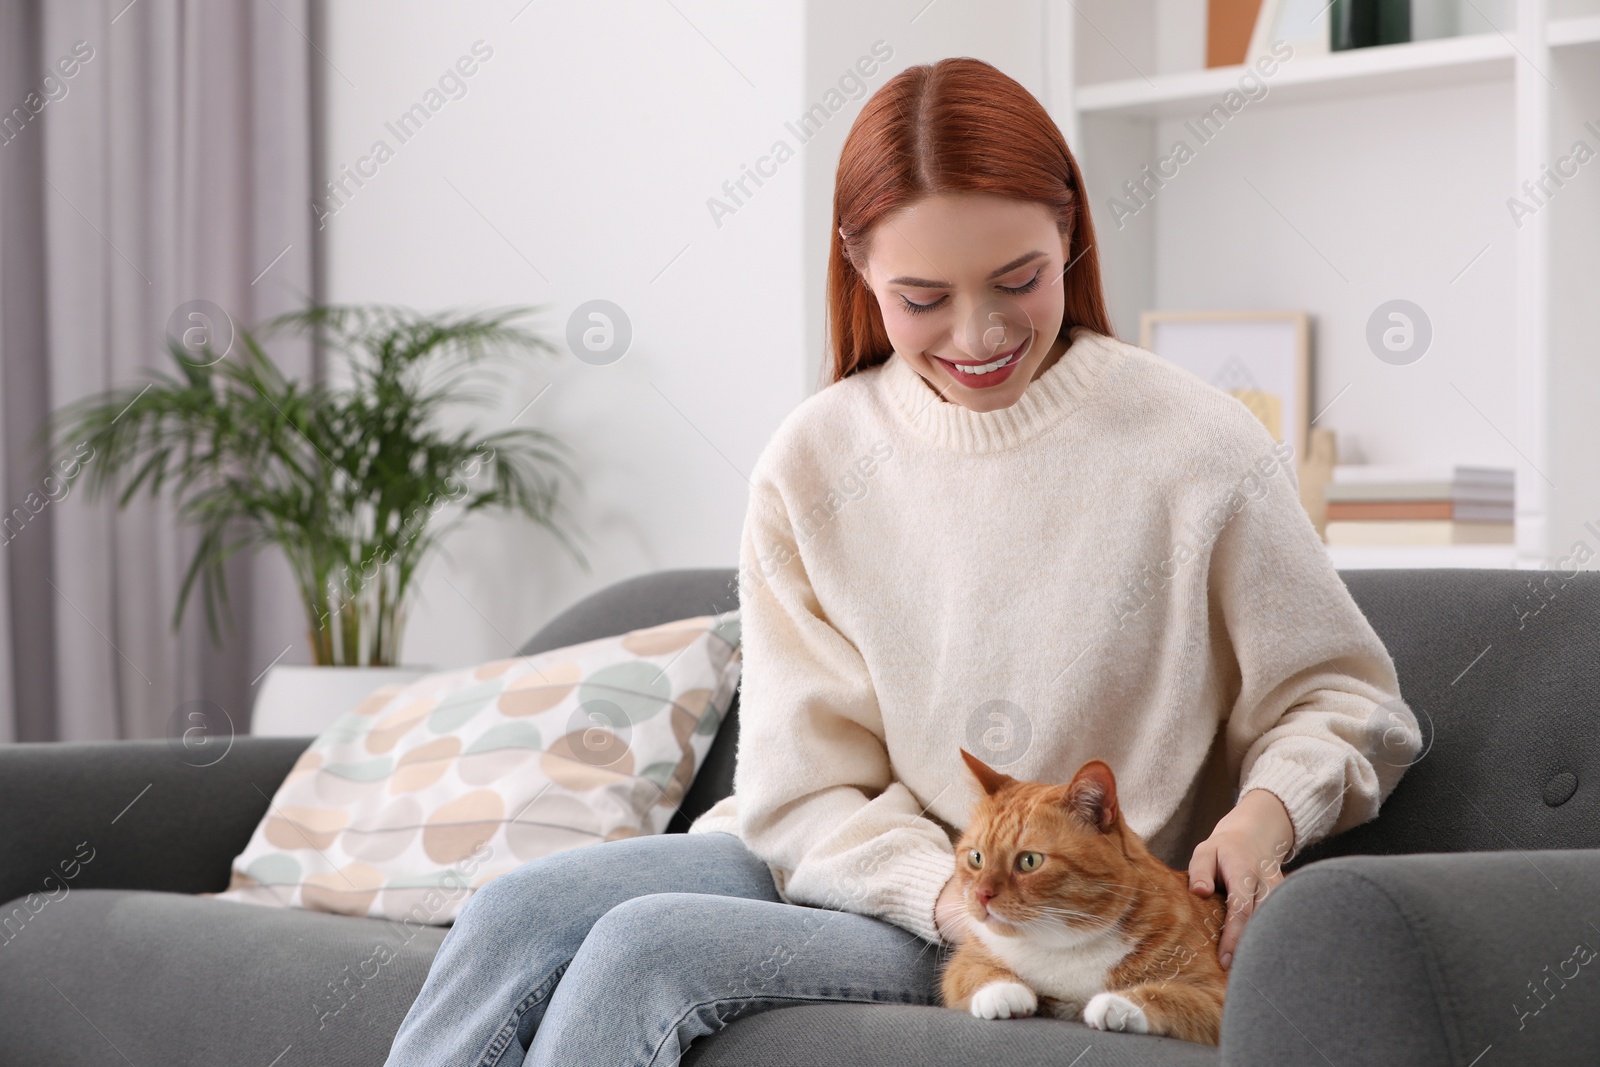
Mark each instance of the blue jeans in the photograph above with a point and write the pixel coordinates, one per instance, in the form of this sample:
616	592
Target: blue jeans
622	953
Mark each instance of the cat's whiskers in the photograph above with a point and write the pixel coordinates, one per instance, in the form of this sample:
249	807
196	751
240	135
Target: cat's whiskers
1125	896
1088	924
1077	940
1057	909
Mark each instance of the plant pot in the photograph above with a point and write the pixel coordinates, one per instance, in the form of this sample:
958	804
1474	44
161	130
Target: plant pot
304	701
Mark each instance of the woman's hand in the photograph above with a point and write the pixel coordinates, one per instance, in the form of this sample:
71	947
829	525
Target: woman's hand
1246	850
950	911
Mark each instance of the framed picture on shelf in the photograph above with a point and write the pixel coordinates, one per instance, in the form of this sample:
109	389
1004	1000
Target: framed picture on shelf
1301	24
1261	357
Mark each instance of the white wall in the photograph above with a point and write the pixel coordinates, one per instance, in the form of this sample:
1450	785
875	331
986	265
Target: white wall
584	151
1330	229
1335	207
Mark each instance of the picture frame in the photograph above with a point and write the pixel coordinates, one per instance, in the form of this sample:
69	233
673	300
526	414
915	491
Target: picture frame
1263	358
1302	24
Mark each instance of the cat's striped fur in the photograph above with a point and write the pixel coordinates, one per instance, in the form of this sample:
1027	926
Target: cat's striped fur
1069	915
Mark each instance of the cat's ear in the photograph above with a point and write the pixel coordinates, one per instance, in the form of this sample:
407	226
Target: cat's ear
1092	795
988	778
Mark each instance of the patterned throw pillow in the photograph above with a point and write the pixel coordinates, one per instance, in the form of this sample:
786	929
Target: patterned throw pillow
408	804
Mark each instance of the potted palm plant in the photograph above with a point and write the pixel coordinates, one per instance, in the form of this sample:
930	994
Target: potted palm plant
356	484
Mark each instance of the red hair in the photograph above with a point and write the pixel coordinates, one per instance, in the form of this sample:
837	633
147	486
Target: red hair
958	125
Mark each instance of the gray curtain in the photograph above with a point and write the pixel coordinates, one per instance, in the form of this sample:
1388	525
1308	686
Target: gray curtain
154	153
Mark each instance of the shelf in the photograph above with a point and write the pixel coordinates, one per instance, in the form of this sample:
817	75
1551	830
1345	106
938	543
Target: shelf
1342	134
1582	30
1384	68
1358	557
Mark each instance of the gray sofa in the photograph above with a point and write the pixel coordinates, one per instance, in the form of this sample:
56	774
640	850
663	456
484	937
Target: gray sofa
1457	928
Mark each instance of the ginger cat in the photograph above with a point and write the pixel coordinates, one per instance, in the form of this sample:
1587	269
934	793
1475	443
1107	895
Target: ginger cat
1068	914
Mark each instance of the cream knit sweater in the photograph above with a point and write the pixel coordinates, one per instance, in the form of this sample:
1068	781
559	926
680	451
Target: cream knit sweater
1117	566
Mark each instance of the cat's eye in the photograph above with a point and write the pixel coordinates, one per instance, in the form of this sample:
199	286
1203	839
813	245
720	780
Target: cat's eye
974	858
1029	861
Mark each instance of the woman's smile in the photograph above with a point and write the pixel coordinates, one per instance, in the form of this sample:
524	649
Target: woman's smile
981	374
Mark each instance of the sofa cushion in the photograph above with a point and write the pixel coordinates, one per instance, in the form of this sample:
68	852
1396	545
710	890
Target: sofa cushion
647	600
408	804
153	819
112	976
222	982
900	1035
1501	668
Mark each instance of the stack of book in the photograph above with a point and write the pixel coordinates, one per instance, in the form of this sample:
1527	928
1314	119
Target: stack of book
1379	504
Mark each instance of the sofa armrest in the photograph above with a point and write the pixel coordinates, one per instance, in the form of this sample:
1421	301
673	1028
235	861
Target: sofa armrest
131	814
1432	958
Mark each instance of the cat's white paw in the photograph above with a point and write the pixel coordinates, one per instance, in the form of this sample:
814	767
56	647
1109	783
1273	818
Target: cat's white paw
1004	1000
1109	1011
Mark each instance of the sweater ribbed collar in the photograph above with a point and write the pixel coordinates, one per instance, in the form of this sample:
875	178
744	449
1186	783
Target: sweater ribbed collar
1048	399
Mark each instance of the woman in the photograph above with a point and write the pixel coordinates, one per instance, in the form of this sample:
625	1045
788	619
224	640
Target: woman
998	528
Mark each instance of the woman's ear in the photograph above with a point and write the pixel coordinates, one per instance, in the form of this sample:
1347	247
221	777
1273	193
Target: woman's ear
861	272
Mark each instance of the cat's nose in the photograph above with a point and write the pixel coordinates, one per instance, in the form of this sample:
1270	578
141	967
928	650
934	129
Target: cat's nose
984	896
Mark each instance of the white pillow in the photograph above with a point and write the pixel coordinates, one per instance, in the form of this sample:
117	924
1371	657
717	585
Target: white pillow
405	806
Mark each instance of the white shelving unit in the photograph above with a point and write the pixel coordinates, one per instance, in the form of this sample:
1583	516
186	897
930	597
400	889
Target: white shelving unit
1369	70
1347	557
1352	178
1582	29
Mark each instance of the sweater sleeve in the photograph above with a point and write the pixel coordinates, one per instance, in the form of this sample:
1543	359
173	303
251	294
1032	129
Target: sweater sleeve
817	795
1317	717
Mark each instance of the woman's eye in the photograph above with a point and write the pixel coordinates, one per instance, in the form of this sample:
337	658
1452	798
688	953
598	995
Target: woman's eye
1013	290
916	308
1030	286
